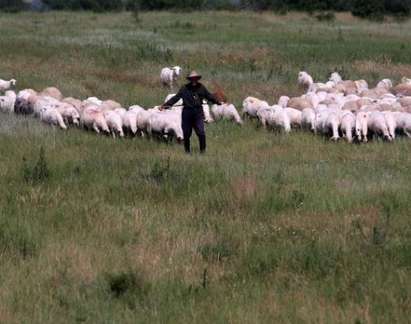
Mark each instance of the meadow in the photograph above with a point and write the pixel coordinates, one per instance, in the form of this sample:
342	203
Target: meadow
263	228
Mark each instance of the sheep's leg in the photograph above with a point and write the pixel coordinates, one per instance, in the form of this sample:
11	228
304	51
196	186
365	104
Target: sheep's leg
407	133
96	128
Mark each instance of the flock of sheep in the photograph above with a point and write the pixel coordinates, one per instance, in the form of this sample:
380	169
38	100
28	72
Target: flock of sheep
107	116
341	108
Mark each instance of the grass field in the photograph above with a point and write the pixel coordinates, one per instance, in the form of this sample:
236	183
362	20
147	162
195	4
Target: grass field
264	228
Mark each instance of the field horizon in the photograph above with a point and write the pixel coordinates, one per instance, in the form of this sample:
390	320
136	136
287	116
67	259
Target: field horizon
265	227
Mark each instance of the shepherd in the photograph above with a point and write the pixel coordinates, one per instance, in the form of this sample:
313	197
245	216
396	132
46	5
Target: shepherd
193	95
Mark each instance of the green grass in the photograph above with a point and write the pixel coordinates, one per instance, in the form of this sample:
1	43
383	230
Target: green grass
264	228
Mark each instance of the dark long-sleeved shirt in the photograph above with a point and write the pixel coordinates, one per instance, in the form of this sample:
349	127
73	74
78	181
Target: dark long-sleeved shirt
192	97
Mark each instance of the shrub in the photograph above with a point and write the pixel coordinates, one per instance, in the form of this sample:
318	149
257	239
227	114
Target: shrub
398	7
370	9
11	5
95	5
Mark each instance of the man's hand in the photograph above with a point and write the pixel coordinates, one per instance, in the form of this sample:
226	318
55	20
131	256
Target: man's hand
161	108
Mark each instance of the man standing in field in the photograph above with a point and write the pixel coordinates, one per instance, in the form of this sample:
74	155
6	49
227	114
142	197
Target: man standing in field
192	94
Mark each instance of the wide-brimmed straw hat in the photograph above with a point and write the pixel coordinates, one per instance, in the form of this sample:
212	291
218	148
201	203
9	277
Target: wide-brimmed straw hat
194	75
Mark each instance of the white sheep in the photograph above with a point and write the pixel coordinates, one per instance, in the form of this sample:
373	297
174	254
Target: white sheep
252	105
69	113
169	75
403	122
41	101
114	123
129	119
283	101
294	115
335	77
8	101
308	119
385	84
377	124
52	116
6	85
391	123
166	124
275	117
52	92
405	80
361	126
305	80
328	121
226	111
92	118
347	125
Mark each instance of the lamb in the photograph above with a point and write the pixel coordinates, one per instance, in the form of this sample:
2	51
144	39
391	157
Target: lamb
93	100
161	123
347	125
76	103
385	84
52	92
378	125
361	126
328	121
300	103
40	102
129	119
405	80
335	77
143	120
114	123
109	105
92	118
295	116
252	105
226	111
275	117
308	119
306	80
6	85
283	101
169	75
69	113
8	101
390	122
403	122
402	89
52	116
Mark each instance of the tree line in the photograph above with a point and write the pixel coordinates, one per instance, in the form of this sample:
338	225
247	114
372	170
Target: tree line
361	8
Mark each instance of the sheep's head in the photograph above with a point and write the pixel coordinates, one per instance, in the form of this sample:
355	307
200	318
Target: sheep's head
385	84
177	70
335	77
283	101
13	82
361	85
305	79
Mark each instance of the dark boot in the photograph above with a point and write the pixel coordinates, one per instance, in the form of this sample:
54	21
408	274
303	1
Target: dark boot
202	140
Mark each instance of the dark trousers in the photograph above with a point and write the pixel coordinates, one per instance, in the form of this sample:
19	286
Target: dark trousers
193	119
